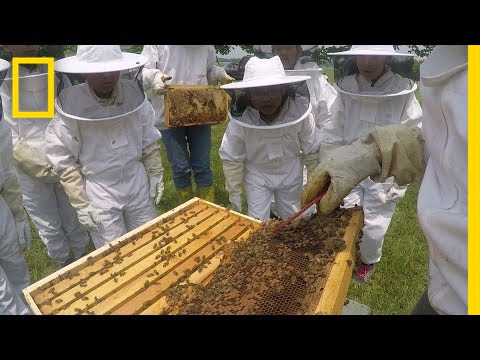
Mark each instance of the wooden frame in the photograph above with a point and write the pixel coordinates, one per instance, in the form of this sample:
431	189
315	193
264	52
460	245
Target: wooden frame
131	274
187	105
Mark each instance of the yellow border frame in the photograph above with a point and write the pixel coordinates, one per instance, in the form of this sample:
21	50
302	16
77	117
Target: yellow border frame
473	179
16	61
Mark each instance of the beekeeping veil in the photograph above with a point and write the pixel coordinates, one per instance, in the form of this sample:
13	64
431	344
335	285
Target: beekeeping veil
264	76
399	63
78	102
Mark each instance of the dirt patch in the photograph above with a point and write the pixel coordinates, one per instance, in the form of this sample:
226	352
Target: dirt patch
269	273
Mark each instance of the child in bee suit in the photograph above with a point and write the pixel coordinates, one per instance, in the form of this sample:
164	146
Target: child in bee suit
438	158
270	127
371	92
188	147
14	226
103	143
322	94
43	196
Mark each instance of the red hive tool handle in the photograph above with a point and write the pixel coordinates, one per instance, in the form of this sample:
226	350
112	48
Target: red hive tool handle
302	210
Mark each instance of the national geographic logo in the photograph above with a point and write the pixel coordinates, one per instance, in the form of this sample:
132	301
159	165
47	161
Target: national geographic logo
16	61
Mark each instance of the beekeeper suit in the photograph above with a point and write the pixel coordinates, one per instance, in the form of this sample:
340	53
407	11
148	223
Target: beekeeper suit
322	94
188	148
360	106
14	227
266	156
399	151
105	150
43	196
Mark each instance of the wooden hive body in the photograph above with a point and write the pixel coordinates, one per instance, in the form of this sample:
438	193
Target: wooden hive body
132	274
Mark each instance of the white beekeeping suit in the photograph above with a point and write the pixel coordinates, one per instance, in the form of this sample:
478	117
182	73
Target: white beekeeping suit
442	200
360	106
188	147
14	276
105	150
268	156
43	196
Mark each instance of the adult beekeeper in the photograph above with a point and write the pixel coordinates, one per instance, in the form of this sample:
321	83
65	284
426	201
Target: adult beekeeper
14	226
44	197
188	148
103	144
401	151
270	134
373	90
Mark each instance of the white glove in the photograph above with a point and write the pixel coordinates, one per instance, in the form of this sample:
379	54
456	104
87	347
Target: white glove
225	79
24	234
235	202
156	188
159	82
88	217
392	150
233	171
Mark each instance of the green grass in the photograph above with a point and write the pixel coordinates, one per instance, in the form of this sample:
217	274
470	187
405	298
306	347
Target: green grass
399	279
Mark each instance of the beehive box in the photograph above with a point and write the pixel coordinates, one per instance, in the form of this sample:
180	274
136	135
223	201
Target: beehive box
187	105
135	273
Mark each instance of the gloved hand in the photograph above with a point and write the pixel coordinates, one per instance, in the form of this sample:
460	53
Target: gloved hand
159	82
50	176
152	160
156	188
225	79
311	162
27	161
235	202
392	150
24	234
88	217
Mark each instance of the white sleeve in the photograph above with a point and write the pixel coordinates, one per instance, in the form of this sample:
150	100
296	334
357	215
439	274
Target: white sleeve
309	136
333	131
150	132
412	114
214	72
153	55
233	144
63	143
7	113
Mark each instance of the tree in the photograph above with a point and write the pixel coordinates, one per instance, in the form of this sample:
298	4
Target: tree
320	53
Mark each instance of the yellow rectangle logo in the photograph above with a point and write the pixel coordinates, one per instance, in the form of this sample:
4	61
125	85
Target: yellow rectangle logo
16	61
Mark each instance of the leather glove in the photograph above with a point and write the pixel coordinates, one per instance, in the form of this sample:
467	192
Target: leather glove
27	161
225	79
24	234
156	188
311	162
88	217
392	150
159	82
235	202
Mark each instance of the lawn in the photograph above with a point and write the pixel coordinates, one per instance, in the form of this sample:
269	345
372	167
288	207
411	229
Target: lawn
399	279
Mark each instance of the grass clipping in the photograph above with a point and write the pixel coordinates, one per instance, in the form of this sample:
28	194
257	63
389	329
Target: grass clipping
269	273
